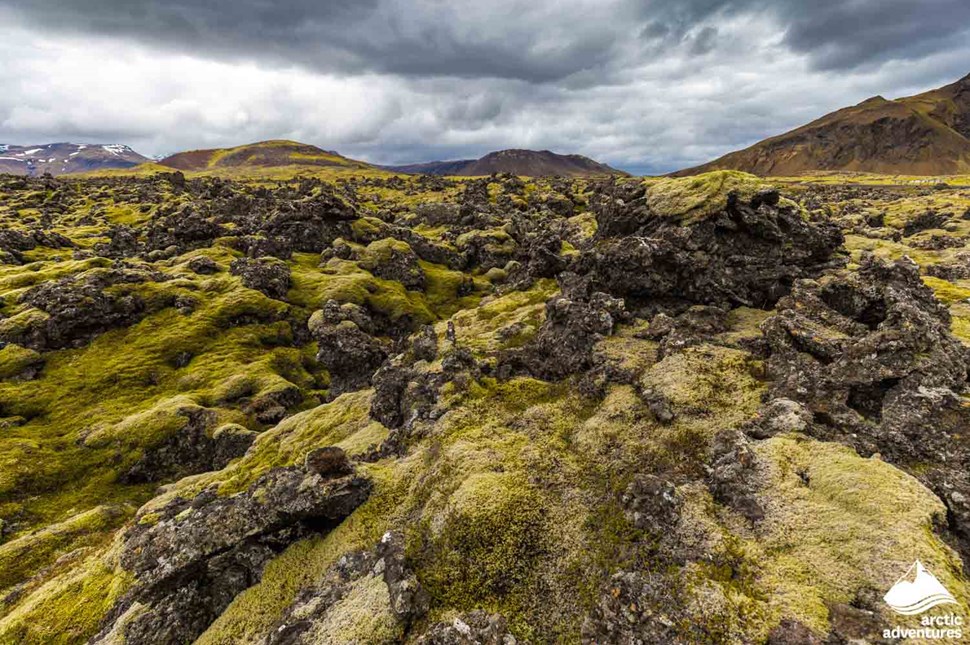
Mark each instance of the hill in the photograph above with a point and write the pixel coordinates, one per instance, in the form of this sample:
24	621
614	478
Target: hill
926	134
529	163
265	154
66	158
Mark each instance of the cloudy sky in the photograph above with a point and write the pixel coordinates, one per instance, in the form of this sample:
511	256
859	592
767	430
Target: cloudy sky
647	85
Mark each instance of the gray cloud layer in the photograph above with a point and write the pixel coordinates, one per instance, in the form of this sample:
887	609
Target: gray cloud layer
522	39
648	84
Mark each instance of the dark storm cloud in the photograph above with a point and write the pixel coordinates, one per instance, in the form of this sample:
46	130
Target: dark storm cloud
419	38
646	85
840	34
534	41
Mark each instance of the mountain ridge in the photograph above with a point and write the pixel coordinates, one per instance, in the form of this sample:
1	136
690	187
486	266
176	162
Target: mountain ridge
270	153
516	161
65	158
923	134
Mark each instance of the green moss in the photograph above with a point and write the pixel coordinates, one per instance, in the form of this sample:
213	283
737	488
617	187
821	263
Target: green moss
125	390
24	556
14	359
367	228
14	279
345	281
505	321
492	531
364	615
68	609
493	240
690	199
836	523
147	428
947	292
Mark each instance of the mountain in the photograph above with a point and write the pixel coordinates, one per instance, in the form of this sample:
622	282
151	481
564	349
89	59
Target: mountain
265	154
926	134
66	158
530	163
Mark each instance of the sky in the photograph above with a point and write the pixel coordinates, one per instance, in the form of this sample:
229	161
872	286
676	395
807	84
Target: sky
648	86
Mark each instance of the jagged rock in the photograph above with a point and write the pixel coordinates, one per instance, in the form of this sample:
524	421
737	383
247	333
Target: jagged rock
425	344
392	260
307	224
956	268
475	628
311	617
850	347
733	474
347	352
268	275
77	309
924	221
403	395
334	313
390	382
745	254
123	243
193	449
871	357
14	242
694	326
437	213
192	557
184	229
938	243
652	503
575	321
203	265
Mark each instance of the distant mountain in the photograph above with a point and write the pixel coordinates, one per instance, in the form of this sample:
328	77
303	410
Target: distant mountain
926	134
530	163
265	154
66	158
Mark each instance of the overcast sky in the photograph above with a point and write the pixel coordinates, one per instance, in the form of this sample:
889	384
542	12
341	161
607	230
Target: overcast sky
646	85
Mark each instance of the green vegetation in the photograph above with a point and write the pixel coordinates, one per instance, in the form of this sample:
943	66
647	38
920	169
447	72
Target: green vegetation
511	492
690	199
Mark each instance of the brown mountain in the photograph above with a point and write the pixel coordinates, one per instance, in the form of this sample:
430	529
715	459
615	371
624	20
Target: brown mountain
265	154
66	158
529	163
926	134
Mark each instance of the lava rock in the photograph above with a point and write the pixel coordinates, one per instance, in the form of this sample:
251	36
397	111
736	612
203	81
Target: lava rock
268	275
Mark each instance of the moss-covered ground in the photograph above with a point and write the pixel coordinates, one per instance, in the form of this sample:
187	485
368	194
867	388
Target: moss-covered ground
509	497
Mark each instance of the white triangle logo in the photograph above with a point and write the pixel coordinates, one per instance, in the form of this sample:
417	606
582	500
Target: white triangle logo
922	593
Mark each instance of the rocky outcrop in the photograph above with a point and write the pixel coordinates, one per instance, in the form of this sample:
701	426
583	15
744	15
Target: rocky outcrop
193	556
195	448
347	351
748	252
13	243
75	310
575	321
869	355
267	275
396	598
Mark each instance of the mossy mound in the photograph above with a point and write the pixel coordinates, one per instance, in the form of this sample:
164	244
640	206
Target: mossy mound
691	199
